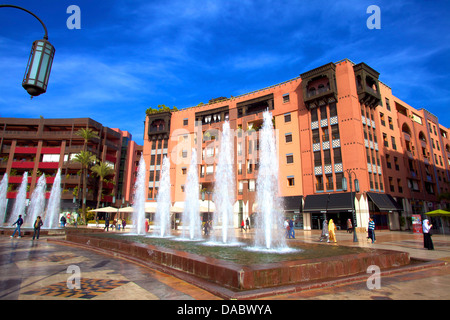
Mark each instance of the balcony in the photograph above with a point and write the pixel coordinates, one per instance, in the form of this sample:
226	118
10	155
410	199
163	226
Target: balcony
23	164
48	165
367	85
319	86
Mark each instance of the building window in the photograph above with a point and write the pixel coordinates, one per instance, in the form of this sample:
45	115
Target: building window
388	106
323	112
314	115
319	183
333	110
287	117
339	181
394	146
325	134
288	137
182	188
185	121
399	184
337	155
183	170
317	159
285	97
241	187
290	181
315	136
251	185
290	158
327	157
335	132
330	184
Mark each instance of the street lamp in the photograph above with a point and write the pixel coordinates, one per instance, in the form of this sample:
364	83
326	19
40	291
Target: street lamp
344	187
40	62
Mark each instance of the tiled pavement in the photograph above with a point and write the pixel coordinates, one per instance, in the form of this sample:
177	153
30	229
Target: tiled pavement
41	270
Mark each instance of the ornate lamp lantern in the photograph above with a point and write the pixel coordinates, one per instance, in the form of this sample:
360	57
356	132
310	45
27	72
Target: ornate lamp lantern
40	62
38	69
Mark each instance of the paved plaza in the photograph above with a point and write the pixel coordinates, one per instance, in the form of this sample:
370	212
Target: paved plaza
43	270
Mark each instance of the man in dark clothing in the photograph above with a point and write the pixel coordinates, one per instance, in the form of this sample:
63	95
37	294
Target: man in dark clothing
291	229
19	223
106	224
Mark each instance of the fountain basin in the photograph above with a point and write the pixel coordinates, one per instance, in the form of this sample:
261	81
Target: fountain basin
28	232
237	272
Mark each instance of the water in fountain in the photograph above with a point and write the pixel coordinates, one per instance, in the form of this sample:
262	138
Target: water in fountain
224	189
3	191
37	203
270	233
54	204
21	197
191	212
163	201
138	217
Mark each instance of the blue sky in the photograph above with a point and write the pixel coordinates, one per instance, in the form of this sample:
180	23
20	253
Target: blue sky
131	55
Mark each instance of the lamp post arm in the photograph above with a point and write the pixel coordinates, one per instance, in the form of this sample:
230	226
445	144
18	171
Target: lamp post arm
17	7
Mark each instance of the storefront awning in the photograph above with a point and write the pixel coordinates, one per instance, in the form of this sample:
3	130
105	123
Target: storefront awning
293	203
328	203
316	203
338	202
384	202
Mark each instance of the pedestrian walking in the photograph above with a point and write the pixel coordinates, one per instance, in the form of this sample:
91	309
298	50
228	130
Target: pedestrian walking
286	227
291	229
19	223
243	226
349	226
206	227
124	223
247	223
37	227
331	231
63	221
106	224
426	228
371	230
324	235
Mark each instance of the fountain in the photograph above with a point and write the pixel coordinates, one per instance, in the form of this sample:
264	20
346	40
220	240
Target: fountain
54	204
138	217
164	201
224	189
19	205
3	200
269	219
238	271
191	212
37	203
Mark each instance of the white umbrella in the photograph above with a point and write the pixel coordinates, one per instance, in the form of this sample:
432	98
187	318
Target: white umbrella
105	209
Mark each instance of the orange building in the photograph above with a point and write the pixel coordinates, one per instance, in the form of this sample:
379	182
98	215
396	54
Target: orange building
42	146
332	121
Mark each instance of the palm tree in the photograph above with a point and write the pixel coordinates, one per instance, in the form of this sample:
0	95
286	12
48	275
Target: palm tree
85	158
87	134
102	170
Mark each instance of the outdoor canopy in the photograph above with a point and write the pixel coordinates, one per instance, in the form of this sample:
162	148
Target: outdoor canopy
105	209
438	212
